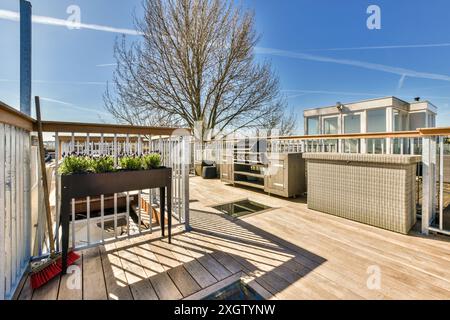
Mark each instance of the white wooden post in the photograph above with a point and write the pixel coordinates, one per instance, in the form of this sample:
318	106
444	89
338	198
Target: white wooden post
186	162
389	128
428	181
363	142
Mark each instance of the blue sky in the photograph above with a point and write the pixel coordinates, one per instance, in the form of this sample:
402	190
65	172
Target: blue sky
322	51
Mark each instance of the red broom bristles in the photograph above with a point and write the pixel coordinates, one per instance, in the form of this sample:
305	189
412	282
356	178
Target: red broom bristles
39	278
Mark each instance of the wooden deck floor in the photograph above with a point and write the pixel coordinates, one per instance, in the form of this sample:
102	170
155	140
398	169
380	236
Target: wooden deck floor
288	252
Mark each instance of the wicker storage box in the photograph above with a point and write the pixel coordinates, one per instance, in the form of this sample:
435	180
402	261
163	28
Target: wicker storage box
374	189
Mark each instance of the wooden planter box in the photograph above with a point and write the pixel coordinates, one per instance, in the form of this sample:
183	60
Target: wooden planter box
95	184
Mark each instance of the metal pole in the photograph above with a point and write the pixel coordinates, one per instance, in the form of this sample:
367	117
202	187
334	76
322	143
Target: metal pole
25	57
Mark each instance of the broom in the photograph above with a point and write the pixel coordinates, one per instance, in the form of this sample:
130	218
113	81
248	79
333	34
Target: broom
47	268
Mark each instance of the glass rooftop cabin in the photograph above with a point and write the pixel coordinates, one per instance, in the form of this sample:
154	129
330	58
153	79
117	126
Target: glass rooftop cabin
376	115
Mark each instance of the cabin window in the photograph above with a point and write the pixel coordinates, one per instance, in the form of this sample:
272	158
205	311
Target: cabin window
376	120
313	126
330	125
352	123
417	120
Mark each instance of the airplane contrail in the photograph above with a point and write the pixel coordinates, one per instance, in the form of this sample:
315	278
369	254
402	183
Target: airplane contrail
73	106
401	46
14	16
355	63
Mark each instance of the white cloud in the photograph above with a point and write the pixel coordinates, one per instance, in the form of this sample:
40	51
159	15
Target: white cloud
355	63
14	16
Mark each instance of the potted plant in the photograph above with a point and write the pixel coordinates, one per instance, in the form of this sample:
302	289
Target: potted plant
83	176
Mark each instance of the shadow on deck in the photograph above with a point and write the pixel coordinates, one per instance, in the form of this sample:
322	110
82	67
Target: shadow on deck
216	249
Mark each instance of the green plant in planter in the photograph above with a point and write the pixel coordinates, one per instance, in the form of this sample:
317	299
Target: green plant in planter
130	163
151	161
75	164
103	164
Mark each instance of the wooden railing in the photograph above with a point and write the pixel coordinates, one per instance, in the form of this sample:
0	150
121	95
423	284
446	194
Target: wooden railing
22	226
432	144
15	198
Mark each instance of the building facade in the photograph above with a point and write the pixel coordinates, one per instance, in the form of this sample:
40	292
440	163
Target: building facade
376	115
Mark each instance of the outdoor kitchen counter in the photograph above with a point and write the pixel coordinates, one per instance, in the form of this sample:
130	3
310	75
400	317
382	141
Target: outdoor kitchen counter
374	189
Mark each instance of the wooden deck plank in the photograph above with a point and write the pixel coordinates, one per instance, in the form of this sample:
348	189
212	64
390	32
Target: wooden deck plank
71	284
116	283
27	291
146	256
137	279
165	288
94	287
174	267
204	258
49	291
197	271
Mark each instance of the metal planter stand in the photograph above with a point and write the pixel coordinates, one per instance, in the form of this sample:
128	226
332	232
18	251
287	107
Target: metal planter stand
95	184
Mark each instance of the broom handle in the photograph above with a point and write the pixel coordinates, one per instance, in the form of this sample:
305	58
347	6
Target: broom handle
44	176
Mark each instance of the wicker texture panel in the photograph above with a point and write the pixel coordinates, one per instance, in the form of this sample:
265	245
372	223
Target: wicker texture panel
372	158
378	194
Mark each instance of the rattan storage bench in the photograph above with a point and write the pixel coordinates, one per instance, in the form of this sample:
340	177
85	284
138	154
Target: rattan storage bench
374	189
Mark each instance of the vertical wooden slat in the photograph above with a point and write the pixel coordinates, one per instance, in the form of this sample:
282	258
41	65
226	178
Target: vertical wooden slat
27	194
20	212
13	206
2	212
8	209
57	157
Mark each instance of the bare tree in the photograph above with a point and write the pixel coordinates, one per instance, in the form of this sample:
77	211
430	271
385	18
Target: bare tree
194	63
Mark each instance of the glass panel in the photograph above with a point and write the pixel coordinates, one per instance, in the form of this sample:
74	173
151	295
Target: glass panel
376	146
431	121
330	145
352	124
376	120
397	121
330	125
417	120
313	126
